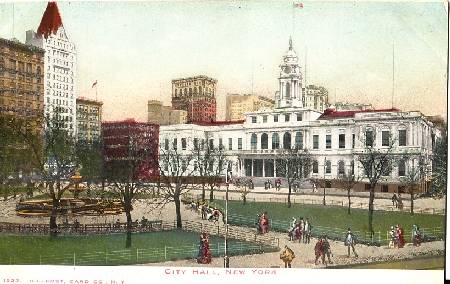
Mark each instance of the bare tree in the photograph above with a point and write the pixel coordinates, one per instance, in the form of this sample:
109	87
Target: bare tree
209	163
376	163
176	168
439	177
349	180
130	158
414	177
295	166
244	190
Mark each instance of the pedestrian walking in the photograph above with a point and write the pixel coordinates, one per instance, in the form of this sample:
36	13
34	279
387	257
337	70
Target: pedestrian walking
287	255
327	248
350	241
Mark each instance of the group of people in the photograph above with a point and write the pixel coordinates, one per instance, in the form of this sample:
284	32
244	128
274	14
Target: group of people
397	237
322	249
300	230
262	223
268	184
397	201
204	252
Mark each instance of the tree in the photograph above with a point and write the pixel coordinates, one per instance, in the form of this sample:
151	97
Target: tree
295	165
130	154
439	176
376	163
243	190
414	177
90	160
209	163
7	142
349	180
176	169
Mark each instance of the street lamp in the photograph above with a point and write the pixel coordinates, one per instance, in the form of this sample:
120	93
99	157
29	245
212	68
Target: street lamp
226	260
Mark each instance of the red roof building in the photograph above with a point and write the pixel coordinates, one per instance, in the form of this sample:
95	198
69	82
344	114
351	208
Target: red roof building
330	113
51	21
127	141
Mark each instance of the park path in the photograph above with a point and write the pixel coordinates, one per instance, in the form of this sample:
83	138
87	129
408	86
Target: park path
270	195
305	252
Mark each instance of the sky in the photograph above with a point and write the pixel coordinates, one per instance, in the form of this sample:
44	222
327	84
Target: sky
134	49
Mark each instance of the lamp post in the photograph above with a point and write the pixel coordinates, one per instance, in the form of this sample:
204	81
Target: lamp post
226	260
324	178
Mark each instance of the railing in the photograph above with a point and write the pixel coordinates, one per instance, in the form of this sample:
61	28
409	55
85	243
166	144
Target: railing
233	233
87	229
135	256
405	208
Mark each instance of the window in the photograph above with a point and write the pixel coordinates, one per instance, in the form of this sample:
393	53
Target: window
341	168
195	143
299	140
275	118
264	141
401	168
353	140
264	118
341	141
174	143
328	141
254	141
402	137
221	143
275	141
384	138
183	143
315	141
230	143
253	119
287	140
299	117
328	167
352	168
287	117
369	138
211	143
386	171
239	143
315	167
166	143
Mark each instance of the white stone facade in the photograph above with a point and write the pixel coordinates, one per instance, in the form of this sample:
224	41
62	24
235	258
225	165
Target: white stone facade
60	75
332	138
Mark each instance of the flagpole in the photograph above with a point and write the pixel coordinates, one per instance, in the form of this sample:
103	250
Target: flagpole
393	75
96	91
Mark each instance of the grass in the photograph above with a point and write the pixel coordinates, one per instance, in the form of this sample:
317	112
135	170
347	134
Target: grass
109	249
334	216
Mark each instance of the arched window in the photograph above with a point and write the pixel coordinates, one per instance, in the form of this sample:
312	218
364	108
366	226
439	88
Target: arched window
264	141
254	141
275	141
352	168
341	167
299	140
287	140
190	91
185	91
200	90
401	168
288	90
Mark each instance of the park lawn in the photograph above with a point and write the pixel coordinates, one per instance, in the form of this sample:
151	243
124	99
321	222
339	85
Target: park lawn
334	216
92	250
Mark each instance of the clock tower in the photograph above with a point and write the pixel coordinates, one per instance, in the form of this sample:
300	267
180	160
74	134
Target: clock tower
290	81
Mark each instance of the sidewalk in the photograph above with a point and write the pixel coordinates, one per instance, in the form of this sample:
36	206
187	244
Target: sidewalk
358	199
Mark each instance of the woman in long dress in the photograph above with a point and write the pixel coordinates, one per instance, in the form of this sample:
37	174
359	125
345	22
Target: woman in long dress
204	252
264	223
400	237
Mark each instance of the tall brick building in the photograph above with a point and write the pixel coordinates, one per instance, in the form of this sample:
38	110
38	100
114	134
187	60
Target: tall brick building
21	80
197	96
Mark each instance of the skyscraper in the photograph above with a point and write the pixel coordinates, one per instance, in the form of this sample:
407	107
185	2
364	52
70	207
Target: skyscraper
197	96
59	66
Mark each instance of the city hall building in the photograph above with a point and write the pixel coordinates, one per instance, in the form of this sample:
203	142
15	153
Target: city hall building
332	138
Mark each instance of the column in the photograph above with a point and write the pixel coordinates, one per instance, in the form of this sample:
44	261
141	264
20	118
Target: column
263	168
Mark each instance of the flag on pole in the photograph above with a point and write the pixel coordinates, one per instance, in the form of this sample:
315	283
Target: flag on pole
298	5
95	84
